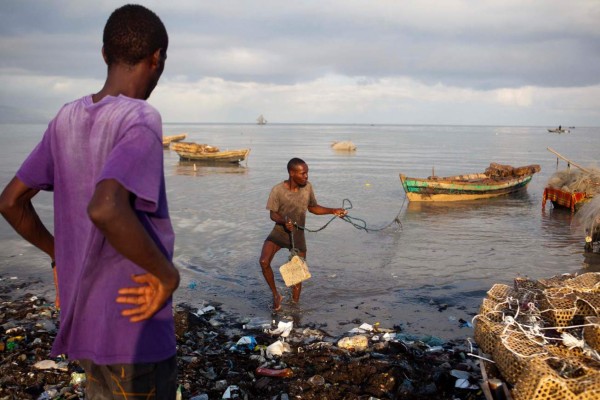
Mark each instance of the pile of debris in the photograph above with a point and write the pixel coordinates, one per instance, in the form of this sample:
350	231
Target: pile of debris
223	357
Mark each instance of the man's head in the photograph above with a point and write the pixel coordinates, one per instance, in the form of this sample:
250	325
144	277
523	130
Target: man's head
298	171
133	33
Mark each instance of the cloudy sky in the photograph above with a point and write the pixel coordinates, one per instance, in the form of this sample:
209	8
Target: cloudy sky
497	62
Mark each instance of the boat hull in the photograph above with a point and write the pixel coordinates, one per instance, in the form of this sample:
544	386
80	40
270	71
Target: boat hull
229	157
448	189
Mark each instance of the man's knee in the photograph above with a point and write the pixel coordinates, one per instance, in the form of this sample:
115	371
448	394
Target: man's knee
264	262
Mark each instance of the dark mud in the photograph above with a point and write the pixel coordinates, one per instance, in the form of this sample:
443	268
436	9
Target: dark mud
212	365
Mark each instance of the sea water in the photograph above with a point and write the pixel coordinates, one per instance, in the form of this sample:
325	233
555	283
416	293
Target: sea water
423	275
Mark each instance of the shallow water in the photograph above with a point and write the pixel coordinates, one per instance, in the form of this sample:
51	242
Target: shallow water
446	253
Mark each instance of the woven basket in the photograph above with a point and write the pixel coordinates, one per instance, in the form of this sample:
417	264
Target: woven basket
294	271
487	334
559	306
546	379
591	333
514	353
589	282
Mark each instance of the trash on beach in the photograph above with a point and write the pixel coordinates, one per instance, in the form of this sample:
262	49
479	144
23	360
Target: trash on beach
316	380
274	373
205	310
465	384
258	323
283	329
245	342
51	364
459	374
277	349
356	343
232	392
77	378
464	324
364	328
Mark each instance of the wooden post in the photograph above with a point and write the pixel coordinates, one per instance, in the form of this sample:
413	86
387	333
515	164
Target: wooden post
569	162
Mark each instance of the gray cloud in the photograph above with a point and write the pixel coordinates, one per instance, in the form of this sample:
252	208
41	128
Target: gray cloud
464	44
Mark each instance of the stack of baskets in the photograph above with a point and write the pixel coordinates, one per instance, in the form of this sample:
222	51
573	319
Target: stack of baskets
523	330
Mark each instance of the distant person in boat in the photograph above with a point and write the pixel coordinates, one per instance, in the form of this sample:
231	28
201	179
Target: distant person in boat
287	205
102	156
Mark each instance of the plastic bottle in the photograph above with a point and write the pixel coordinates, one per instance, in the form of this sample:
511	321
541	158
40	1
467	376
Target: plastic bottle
276	373
257	323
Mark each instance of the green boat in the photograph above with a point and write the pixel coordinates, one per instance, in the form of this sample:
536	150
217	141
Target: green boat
497	180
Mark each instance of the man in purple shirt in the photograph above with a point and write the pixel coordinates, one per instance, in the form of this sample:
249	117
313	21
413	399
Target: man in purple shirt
113	240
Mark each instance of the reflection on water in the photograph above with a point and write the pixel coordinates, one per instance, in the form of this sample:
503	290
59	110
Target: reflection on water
199	168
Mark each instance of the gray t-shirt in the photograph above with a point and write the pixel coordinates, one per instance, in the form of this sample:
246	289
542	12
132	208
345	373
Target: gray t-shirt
292	204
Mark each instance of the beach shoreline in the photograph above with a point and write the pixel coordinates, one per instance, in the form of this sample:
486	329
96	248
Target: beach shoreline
211	360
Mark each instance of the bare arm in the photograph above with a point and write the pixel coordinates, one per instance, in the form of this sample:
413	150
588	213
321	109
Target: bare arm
111	211
17	209
320	210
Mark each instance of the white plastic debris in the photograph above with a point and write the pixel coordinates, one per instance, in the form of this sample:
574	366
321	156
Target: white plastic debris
465	384
205	310
283	329
459	374
51	364
232	392
364	328
277	349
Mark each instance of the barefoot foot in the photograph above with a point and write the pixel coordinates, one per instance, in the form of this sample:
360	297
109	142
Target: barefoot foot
277	302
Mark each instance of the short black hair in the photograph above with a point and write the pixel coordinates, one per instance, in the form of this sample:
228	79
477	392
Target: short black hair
294	162
132	33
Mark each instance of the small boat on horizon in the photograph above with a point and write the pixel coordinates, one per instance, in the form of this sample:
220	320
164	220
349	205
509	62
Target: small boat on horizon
261	120
560	129
497	180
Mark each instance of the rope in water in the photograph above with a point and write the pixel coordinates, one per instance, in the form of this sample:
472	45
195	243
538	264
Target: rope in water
358	223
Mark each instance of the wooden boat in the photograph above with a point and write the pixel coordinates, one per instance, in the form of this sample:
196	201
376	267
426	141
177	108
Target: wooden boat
497	180
558	130
173	138
206	153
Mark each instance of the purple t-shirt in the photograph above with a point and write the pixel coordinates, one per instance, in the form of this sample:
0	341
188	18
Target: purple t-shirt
117	138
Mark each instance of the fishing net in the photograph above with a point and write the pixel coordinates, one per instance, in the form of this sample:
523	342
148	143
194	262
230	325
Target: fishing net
588	216
544	336
577	181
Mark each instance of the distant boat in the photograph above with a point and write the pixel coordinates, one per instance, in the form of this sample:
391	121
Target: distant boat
261	120
559	130
206	153
173	138
495	181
